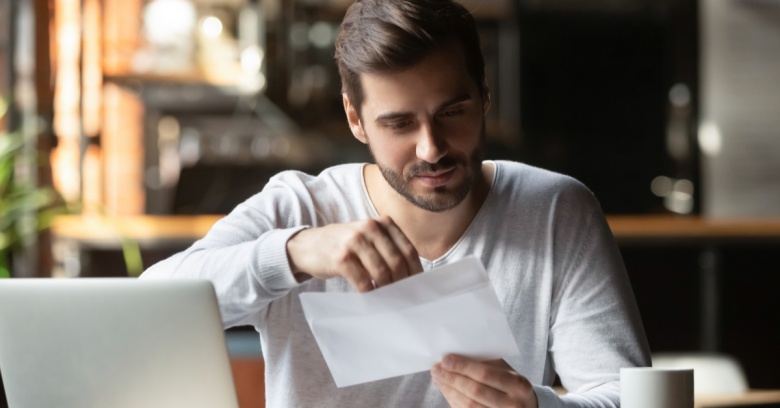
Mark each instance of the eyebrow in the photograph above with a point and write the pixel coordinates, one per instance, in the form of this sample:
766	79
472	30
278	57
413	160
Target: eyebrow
386	117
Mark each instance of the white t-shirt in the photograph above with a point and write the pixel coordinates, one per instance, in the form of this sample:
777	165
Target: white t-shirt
541	236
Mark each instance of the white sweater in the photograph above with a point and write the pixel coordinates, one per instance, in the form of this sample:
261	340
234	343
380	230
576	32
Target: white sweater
542	238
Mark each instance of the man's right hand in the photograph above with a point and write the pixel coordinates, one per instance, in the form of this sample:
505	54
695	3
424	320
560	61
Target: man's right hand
369	253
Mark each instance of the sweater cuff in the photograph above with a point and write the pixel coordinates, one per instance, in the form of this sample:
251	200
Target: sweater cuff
546	397
272	264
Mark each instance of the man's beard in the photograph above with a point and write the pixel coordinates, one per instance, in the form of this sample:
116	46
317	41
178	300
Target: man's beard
442	198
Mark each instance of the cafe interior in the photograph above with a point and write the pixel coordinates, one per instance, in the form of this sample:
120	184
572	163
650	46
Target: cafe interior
131	126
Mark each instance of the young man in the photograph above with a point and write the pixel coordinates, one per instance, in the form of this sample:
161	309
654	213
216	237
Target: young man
415	93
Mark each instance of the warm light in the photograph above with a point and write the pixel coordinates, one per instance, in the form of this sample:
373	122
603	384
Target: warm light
66	157
123	151
211	27
169	22
710	139
299	36
680	95
677	194
189	147
92	69
679	198
251	63
321	35
261	147
65	169
252	83
680	203
683	186
252	59
92	191
122	28
168	130
661	186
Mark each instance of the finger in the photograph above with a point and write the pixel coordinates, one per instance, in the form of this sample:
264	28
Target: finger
385	243
465	391
500	363
353	271
472	389
456	398
501	379
365	244
453	397
389	265
509	384
407	250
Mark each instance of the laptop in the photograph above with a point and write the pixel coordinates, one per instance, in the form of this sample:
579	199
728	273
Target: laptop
113	342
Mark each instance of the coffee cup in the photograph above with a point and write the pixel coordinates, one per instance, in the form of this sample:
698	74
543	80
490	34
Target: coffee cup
648	387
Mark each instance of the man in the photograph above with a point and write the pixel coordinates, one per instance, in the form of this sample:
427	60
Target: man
414	91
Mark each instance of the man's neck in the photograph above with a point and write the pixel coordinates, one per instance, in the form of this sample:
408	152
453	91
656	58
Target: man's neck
431	233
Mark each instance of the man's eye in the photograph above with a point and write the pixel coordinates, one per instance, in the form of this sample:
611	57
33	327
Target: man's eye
451	113
398	125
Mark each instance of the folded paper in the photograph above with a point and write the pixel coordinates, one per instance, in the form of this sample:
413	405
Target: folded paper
408	326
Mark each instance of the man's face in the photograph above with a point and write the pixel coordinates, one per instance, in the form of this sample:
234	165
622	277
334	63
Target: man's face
425	128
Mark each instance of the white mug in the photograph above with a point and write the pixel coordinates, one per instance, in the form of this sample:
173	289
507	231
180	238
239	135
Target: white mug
647	387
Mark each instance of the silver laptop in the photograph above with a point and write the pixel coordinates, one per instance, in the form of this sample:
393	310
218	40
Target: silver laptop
103	342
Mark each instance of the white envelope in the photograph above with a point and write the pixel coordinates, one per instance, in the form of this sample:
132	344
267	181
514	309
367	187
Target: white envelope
408	326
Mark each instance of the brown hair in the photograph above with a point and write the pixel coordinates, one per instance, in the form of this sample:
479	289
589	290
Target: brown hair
393	35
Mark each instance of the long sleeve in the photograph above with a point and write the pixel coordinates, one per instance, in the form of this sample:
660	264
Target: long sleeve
595	328
244	254
542	239
559	275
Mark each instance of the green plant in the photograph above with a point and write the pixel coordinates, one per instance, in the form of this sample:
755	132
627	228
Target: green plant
25	208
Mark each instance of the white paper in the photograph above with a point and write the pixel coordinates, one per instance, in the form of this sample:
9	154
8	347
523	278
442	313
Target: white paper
408	326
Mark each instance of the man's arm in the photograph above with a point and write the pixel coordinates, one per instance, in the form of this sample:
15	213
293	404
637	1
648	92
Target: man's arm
369	253
595	327
272	242
244	256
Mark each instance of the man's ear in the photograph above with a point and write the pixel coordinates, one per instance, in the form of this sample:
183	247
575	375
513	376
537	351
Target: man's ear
353	119
485	98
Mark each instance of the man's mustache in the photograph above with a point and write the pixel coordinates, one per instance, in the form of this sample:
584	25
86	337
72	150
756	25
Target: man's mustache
445	162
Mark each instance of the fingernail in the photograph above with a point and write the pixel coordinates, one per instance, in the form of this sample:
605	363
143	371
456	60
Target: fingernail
447	362
436	372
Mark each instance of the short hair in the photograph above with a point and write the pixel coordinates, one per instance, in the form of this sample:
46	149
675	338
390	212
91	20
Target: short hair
379	36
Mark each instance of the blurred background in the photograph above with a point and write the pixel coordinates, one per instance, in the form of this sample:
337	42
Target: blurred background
149	110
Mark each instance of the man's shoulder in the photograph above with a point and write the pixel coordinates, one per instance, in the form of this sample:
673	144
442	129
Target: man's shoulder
539	188
343	183
338	173
516	175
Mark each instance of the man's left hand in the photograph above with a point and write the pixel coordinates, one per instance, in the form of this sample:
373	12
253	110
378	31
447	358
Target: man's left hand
468	383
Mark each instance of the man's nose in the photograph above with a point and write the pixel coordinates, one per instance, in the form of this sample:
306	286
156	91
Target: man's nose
431	145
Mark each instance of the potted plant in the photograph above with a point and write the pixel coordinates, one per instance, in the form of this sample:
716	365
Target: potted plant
25	208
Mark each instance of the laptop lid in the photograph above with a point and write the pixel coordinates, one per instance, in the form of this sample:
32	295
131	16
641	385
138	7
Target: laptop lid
113	342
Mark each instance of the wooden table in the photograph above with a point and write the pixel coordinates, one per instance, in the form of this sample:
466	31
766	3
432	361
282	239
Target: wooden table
73	237
708	235
641	230
751	397
659	230
149	231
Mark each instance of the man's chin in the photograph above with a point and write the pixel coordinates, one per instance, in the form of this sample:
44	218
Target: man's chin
437	198
437	201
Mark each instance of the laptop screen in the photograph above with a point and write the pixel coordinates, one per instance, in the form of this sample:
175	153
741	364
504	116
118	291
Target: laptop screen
113	342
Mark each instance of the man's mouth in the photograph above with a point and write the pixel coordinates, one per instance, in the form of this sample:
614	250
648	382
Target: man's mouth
436	178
